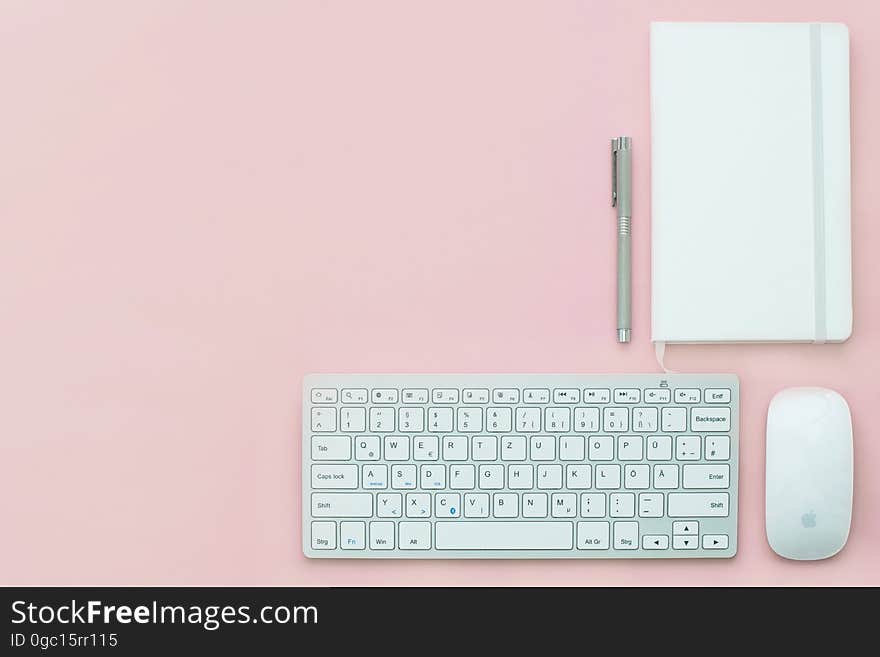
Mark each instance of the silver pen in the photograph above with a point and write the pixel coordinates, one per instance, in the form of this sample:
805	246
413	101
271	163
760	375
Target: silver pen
621	198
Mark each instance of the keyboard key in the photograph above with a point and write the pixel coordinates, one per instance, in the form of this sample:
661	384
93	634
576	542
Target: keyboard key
698	505
534	505
686	527
536	396
520	477
673	419
578	477
607	476
710	419
352	419
403	477
389	505
505	505
685	543
484	448
415	396
627	395
623	505
629	448
659	448
513	448
381	535
563	505
597	395
455	448
411	420
665	476
323	419
557	419
324	395
476	505
354	396
426	448
444	395
499	420
542	448
384	396
433	477
571	448
717	448
440	420
352	535
586	420
504	535
505	396
566	396
374	475
636	476
470	420
334	476
331	448
528	419
644	419
715	541
657	395
323	535
549	477
651	505
615	419
601	448
626	536
381	419
716	395
414	535
593	505
687	448
687	396
593	535
342	505
475	396
655	542
367	448
447	505
418	505
491	477
462	477
706	476
396	448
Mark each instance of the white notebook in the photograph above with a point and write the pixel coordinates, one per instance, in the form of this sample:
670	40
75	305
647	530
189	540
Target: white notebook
750	175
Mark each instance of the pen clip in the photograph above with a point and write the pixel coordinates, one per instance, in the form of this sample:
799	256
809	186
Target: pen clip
615	144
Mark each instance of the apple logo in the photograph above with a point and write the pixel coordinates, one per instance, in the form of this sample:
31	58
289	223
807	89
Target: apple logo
808	520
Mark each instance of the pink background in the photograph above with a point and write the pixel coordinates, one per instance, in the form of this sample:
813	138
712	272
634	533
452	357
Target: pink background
203	201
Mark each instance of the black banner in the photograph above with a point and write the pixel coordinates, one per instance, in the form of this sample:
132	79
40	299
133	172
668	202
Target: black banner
123	621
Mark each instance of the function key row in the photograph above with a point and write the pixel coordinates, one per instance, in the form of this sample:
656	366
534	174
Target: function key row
516	396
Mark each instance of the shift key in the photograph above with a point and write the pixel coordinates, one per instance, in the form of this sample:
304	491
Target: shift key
698	505
342	505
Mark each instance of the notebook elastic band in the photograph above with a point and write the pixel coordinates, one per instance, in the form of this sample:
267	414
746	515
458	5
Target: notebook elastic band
818	180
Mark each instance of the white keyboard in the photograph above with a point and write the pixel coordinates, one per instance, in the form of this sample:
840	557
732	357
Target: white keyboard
527	466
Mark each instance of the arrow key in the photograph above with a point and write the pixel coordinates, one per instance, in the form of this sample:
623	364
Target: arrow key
686	528
684	543
715	542
655	542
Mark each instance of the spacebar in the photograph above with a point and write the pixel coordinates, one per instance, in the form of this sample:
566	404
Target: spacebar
503	536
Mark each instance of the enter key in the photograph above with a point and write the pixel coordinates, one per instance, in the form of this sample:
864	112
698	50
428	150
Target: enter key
706	476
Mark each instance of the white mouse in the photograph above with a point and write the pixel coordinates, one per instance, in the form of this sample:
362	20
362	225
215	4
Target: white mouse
809	473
